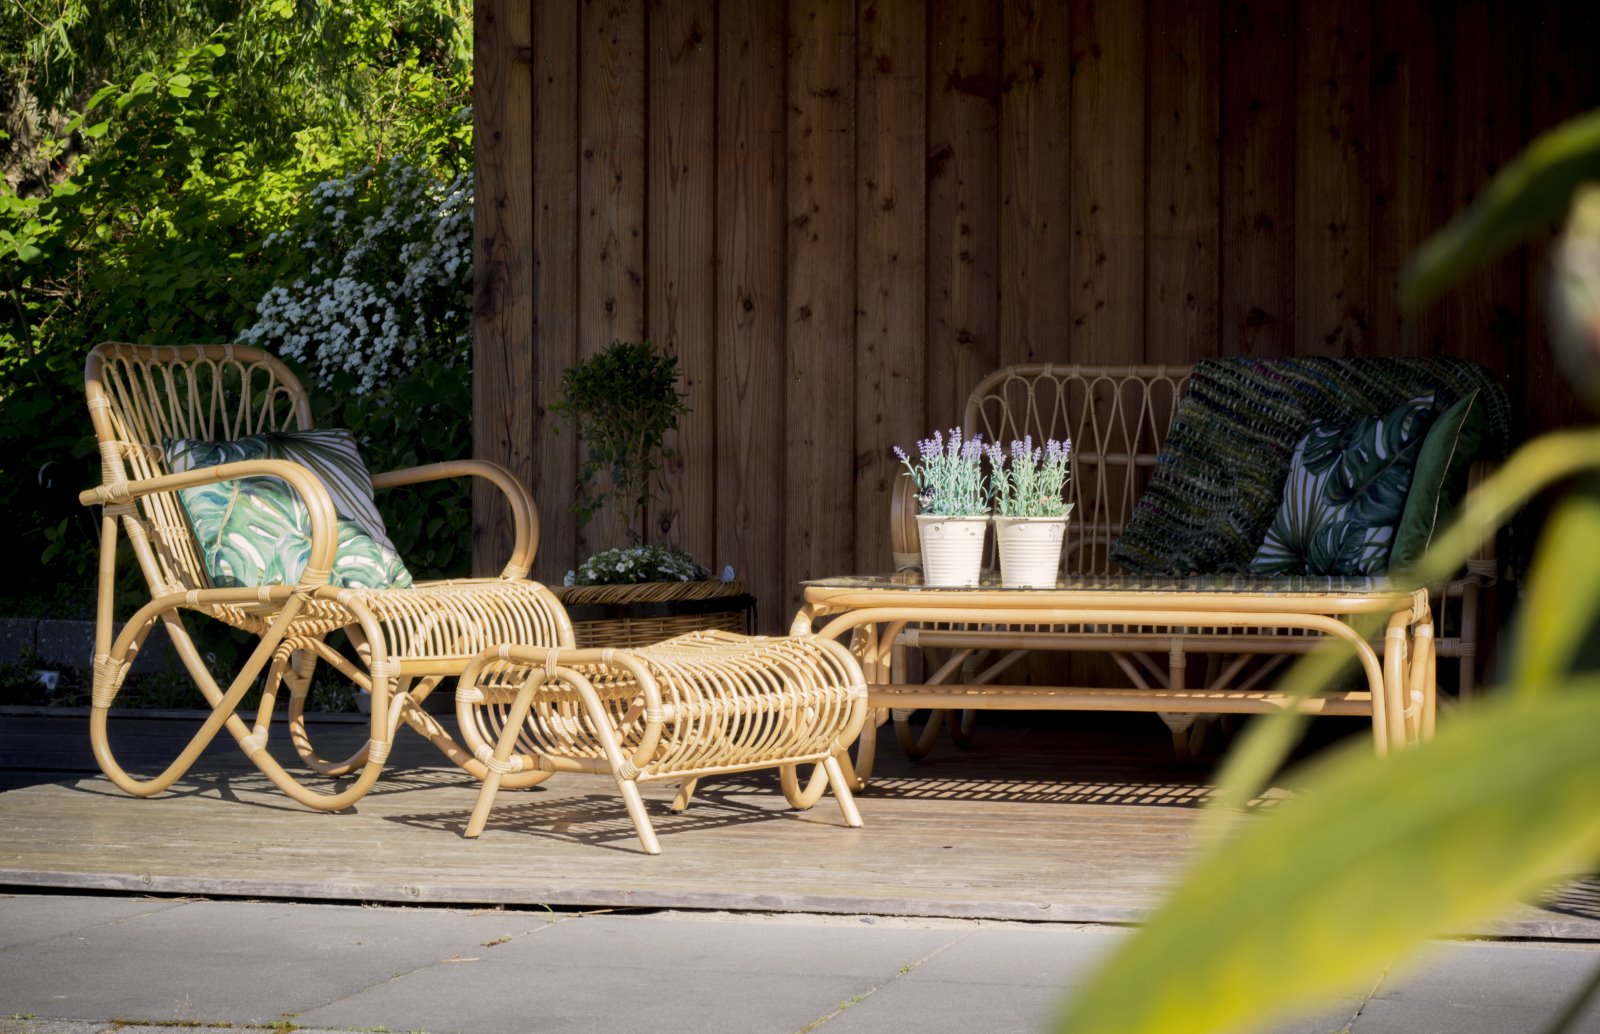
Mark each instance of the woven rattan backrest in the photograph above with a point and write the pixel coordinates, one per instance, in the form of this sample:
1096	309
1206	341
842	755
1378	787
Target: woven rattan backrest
1117	418
141	396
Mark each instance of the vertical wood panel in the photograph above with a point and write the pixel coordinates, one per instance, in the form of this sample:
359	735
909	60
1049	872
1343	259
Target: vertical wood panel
820	321
1409	173
1034	188
610	240
1563	81
1258	147
891	249
555	286
751	485
1177	179
1108	203
503	360
964	88
1185	50
1333	258
680	275
1484	314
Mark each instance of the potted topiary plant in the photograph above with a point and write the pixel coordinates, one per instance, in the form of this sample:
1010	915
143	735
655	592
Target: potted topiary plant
622	403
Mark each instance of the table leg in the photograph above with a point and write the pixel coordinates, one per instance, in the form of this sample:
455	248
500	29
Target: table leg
1423	690
1399	675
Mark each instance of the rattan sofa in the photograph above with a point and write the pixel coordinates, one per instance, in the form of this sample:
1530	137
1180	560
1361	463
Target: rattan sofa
1119	418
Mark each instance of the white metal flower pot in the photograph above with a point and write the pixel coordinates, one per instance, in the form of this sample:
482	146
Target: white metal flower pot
1030	550
952	549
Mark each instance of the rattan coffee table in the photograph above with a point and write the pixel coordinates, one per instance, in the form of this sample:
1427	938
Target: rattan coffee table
1245	626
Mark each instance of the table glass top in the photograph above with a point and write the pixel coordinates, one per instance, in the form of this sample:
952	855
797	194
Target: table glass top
1288	585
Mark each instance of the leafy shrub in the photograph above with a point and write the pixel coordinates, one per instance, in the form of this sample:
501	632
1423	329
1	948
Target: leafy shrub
137	210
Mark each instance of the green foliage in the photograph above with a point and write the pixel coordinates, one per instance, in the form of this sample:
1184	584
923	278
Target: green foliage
370	78
165	142
1319	896
622	402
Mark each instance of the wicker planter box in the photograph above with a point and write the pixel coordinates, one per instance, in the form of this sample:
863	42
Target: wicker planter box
638	615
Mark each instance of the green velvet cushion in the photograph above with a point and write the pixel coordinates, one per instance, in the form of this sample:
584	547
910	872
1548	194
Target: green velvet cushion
1456	439
256	530
1345	492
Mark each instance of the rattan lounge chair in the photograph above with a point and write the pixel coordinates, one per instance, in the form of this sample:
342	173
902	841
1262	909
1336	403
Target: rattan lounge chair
146	400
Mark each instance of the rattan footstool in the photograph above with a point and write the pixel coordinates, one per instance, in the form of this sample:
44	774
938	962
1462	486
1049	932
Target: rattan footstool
696	705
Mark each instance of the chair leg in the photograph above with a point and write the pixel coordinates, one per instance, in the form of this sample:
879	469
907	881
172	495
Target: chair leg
685	794
841	791
636	812
502	754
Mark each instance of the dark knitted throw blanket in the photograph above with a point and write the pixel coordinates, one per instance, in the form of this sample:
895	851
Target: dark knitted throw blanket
1219	479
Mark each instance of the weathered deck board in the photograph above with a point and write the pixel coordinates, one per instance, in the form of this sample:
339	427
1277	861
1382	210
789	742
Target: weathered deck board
1081	820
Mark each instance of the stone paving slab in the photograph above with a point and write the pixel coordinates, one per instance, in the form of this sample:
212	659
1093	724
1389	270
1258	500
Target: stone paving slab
93	965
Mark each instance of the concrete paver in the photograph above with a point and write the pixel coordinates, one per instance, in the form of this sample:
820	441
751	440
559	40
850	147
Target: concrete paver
648	973
997	978
1483	987
43	917
87	965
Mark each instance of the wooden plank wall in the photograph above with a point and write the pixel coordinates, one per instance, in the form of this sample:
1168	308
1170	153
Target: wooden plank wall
839	213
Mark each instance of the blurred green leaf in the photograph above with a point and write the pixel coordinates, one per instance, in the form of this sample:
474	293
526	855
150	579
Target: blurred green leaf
1528	195
1316	897
1562	593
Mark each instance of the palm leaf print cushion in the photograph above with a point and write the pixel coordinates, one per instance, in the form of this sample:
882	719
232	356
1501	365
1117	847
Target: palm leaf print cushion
1345	493
256	531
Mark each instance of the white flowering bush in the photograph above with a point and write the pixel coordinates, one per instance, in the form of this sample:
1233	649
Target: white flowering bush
1028	481
373	301
637	564
385	264
948	474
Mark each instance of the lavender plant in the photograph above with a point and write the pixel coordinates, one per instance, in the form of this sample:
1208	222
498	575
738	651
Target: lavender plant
1027	481
948	474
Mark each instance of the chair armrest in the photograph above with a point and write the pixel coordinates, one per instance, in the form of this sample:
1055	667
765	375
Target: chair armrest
312	492
524	513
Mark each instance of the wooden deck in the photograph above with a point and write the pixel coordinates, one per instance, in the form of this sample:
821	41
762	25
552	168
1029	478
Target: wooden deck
1084	818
